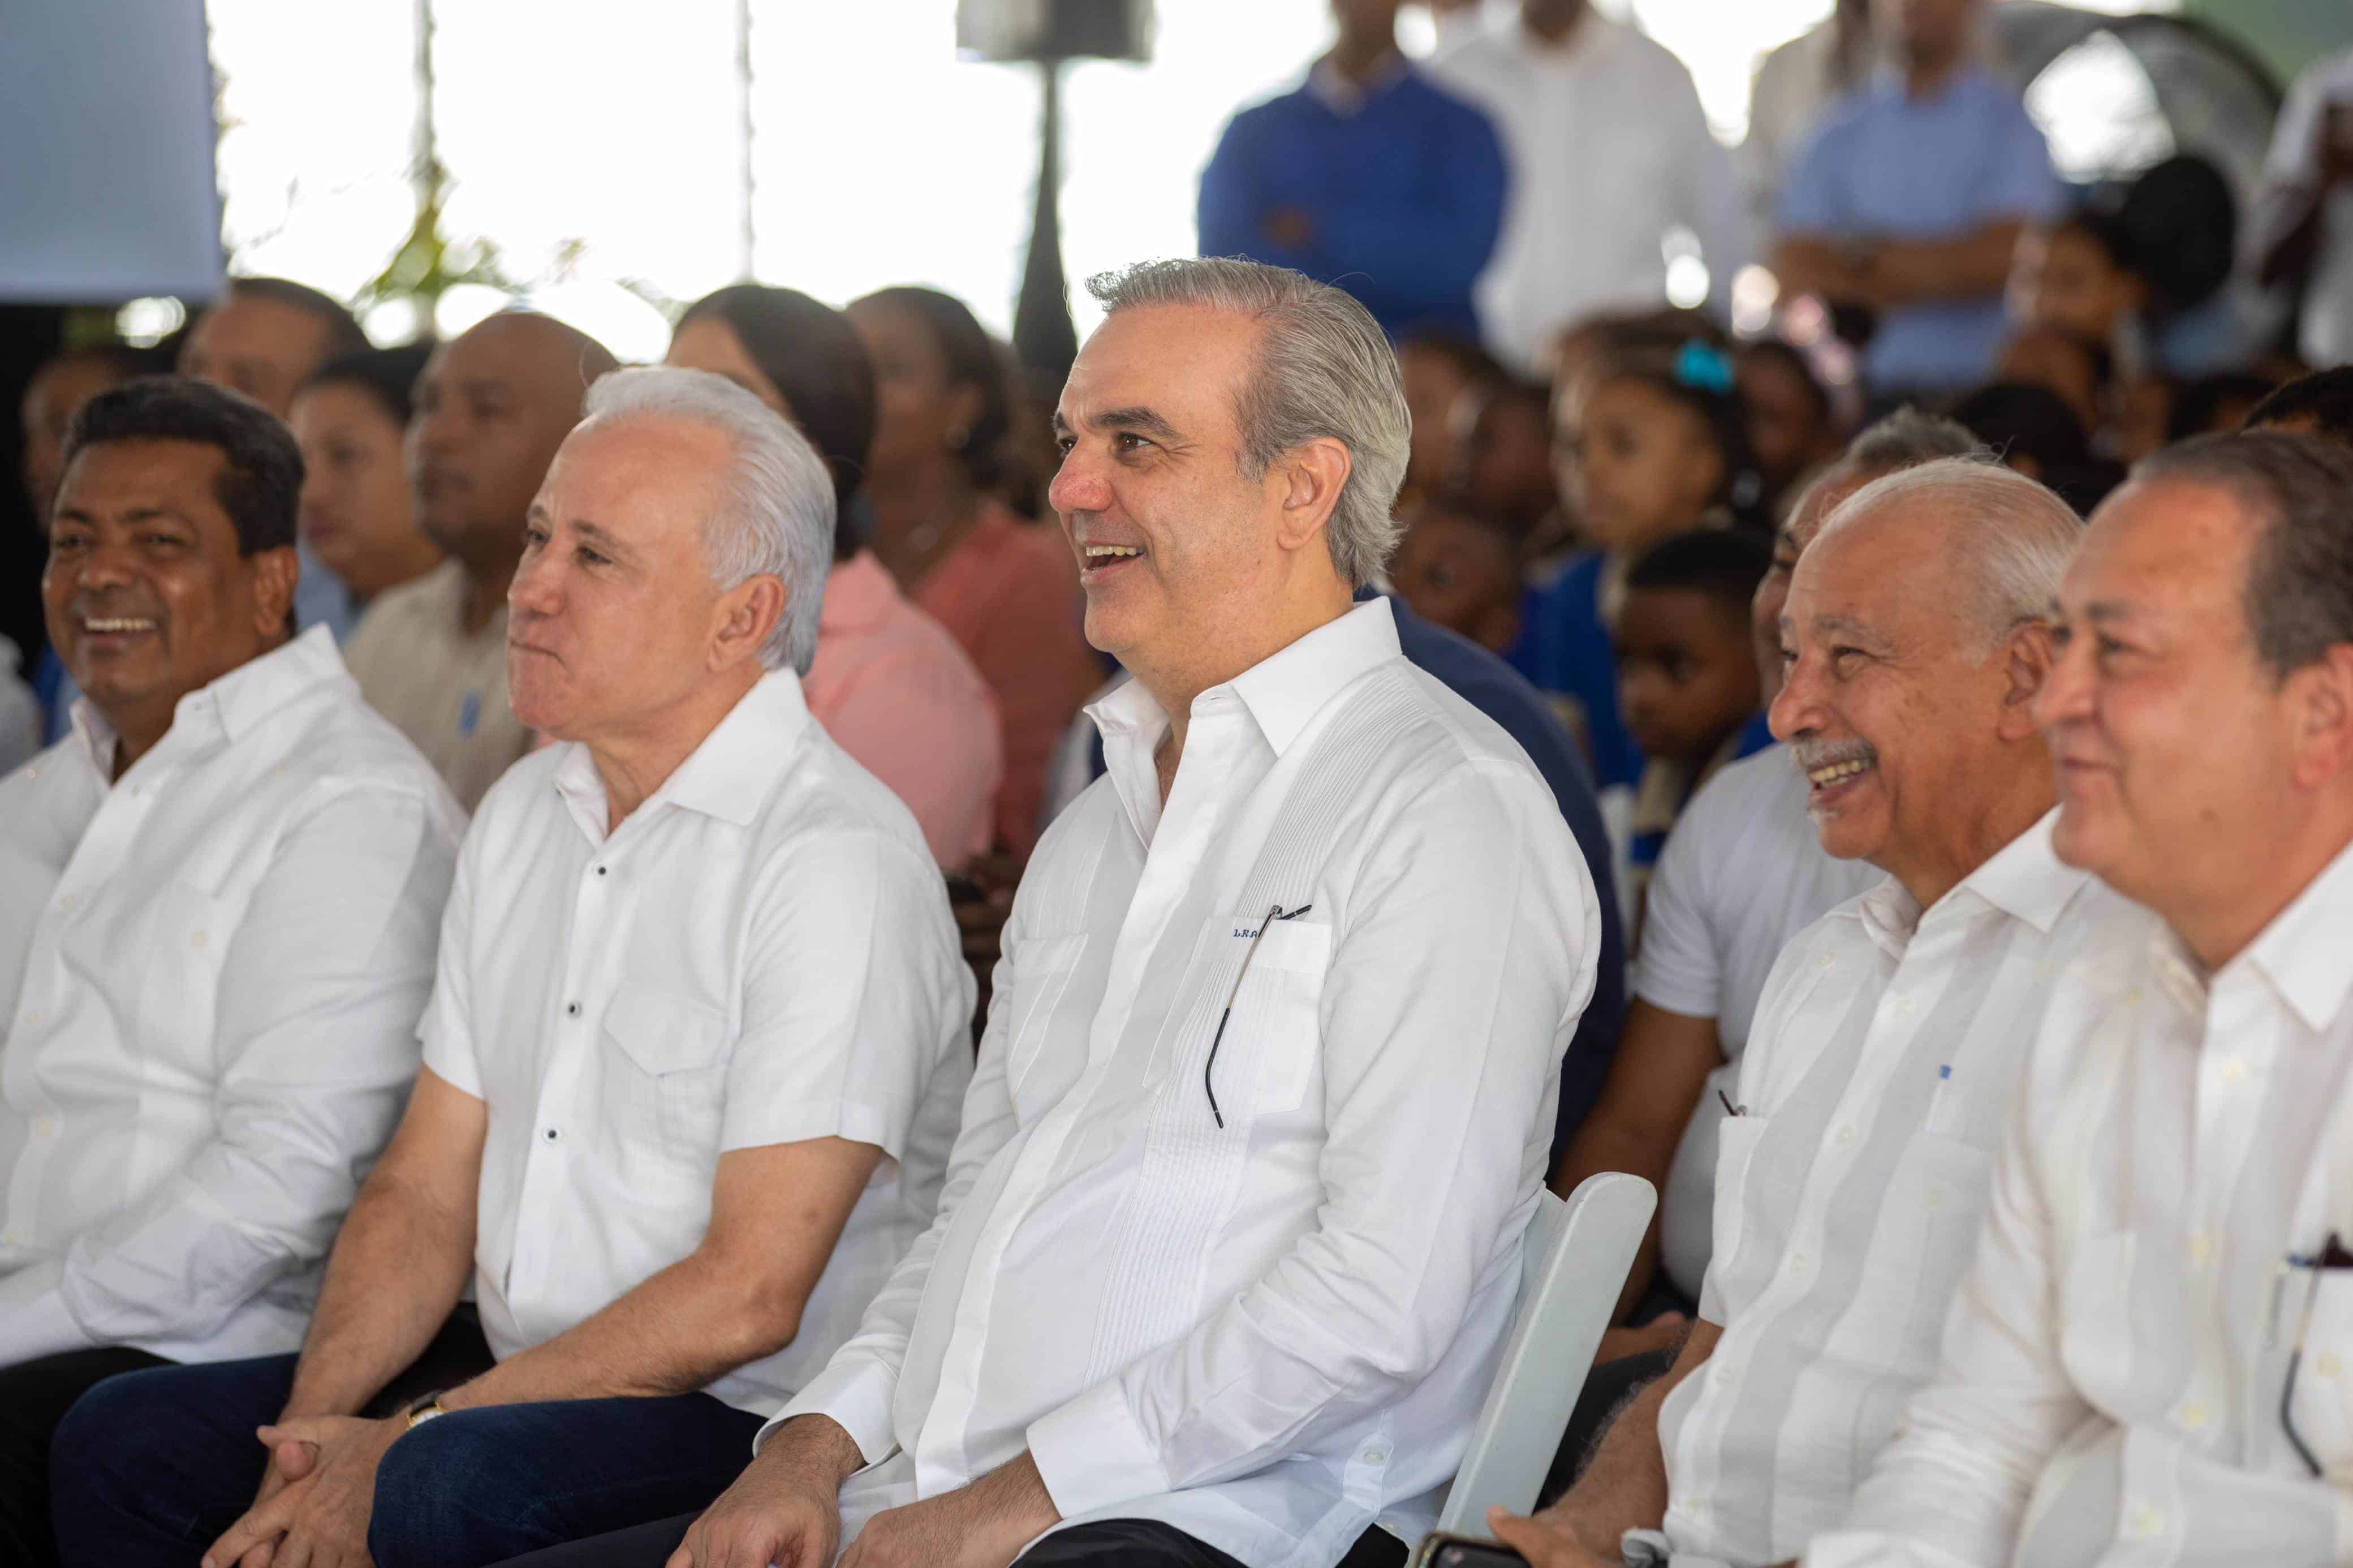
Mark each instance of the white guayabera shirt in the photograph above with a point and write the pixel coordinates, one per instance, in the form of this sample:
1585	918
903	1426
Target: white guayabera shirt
2114	1374
760	954
1273	1332
1886	1052
211	971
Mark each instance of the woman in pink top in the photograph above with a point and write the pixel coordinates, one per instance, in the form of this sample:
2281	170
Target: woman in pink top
1006	587
888	684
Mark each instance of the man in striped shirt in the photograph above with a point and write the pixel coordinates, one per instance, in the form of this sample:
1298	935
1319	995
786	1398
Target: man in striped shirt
1854	1166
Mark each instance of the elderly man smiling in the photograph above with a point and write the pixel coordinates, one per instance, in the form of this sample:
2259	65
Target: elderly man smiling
1855	1161
1232	1234
2149	1362
691	1066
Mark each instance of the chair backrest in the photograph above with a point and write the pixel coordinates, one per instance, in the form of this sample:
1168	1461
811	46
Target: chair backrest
1573	1266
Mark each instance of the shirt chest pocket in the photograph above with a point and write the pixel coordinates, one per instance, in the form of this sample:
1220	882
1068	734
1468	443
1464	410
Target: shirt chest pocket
666	1080
1271	1037
2321	1404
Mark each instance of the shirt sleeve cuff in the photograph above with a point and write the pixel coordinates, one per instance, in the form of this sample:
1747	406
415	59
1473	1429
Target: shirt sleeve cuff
857	1398
1092	1455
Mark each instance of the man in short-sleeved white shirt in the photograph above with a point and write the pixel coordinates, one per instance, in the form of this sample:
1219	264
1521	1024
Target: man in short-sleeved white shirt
1888	1043
694	1061
219	894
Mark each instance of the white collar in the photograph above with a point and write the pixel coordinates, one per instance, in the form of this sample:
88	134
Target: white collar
228	707
729	775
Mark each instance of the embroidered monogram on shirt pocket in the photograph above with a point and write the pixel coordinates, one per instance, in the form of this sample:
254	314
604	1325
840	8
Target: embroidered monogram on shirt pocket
1274	1039
676	1093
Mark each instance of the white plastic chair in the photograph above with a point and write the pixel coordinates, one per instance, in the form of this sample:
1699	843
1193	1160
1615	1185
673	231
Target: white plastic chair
1573	1266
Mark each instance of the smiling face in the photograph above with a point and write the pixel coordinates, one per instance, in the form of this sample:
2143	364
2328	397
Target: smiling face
1186	559
615	621
1639	464
2174	745
146	597
355	507
1886	702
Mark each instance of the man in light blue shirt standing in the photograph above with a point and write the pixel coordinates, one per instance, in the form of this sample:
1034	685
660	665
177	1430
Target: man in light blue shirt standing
1909	197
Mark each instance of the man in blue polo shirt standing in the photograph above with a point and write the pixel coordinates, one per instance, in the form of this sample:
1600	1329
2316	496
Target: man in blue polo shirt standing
1368	177
1909	197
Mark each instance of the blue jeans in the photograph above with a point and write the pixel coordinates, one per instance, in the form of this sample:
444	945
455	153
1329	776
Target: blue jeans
149	1468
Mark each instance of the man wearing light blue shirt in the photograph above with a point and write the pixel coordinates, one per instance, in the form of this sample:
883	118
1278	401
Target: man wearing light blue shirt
1909	200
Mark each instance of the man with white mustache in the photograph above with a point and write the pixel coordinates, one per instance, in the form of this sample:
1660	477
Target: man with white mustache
1856	1159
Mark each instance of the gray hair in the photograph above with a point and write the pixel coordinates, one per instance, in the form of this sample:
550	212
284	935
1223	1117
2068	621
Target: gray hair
2300	591
1907	439
776	513
1325	369
2015	542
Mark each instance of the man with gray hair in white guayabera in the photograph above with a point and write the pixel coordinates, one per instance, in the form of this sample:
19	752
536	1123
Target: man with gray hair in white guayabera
1888	1043
692	1065
1231	1235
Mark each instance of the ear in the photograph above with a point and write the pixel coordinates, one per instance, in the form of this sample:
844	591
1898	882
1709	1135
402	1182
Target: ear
276	574
746	615
1310	478
2323	697
2027	659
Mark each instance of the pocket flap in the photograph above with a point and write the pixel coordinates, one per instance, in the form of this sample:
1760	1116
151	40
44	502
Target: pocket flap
662	1031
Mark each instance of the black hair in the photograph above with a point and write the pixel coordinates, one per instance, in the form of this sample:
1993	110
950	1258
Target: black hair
2325	397
1473	362
2029	420
1698	376
1724	563
818	364
2180	225
388	376
2197	404
124	361
2299	590
972	361
261	481
343	334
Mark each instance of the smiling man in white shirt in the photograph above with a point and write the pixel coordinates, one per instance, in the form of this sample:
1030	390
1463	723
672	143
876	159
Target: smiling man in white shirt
692	1065
2152	1359
218	896
1232	1234
1854	1164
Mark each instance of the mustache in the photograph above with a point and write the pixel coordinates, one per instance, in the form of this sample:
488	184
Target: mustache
1811	755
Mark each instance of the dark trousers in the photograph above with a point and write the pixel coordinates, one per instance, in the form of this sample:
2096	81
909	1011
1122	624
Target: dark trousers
1113	1543
33	1397
151	1468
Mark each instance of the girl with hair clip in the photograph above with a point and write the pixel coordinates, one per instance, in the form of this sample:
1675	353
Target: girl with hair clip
1650	443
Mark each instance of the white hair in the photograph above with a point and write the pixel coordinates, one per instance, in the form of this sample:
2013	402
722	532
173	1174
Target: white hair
776	510
2014	537
1325	369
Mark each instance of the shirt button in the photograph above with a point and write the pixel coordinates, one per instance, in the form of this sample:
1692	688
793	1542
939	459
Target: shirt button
2146	1521
572	1009
2234	1071
66	900
13	1237
1376	1456
551	1134
2201	1248
2327	1364
32	1020
1904	1007
1797	1263
2193	1416
197	939
45	1126
600	870
1827	958
1846	1134
1932	1197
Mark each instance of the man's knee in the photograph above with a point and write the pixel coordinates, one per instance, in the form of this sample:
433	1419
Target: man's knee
173	1445
446	1496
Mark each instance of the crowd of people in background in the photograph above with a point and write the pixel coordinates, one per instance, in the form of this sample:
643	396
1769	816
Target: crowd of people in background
804	949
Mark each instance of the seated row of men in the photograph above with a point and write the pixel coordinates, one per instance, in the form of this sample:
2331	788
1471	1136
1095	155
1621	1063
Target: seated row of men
702	1240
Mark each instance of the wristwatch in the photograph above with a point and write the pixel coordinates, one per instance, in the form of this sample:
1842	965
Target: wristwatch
424	1408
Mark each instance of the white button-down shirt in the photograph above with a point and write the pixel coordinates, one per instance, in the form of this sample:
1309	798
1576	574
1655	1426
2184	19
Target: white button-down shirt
211	970
1609	151
1273	1332
1886	1052
760	954
2113	1373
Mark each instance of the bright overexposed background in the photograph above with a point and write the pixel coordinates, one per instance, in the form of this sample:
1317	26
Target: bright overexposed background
607	153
